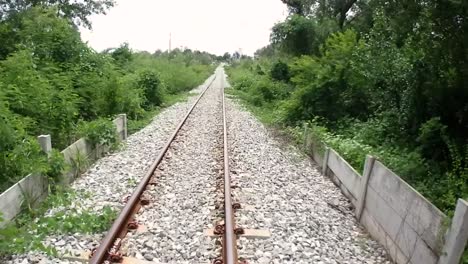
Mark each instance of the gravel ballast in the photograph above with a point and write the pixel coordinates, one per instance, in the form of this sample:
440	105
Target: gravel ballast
185	194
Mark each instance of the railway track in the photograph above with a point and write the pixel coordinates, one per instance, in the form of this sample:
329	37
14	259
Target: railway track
109	248
183	208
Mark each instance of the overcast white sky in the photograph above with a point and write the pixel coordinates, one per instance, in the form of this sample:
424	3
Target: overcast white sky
215	26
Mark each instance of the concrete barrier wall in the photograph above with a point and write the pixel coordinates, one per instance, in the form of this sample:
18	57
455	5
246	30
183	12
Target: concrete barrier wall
413	230
316	154
33	188
344	176
81	150
398	216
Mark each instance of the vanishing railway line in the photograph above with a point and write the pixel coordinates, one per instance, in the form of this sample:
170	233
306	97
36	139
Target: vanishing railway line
181	208
109	249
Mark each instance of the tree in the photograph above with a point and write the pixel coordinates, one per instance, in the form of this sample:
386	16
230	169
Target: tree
51	38
296	36
321	8
299	7
267	51
236	55
226	56
122	55
342	8
74	10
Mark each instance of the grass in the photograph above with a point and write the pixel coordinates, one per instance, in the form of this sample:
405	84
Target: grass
134	125
265	113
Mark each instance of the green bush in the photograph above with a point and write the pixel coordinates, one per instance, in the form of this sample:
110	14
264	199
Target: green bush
150	83
101	131
280	72
56	167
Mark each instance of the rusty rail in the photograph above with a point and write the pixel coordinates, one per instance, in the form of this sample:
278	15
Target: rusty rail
111	241
229	237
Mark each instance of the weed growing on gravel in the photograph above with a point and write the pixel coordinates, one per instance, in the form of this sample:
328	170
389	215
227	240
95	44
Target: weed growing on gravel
132	182
79	163
57	167
28	231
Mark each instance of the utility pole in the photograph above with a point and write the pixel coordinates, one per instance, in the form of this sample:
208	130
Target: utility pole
170	41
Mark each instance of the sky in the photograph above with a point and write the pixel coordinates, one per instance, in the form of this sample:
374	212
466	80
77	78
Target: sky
216	26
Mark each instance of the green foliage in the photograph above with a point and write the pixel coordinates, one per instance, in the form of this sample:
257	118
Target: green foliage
51	39
260	89
327	82
432	139
101	131
19	160
122	55
29	230
178	71
297	35
79	163
280	72
150	83
146	117
56	168
76	11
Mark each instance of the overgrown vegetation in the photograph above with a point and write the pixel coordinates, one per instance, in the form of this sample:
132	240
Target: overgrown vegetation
28	231
53	83
372	77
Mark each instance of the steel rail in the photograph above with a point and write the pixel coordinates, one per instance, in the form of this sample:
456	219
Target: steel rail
107	243
229	237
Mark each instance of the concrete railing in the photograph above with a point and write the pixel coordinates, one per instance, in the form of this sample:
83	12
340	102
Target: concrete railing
411	228
33	188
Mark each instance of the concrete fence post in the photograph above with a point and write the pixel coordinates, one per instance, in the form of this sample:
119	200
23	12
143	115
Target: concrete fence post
457	236
306	136
325	161
46	143
361	199
124	121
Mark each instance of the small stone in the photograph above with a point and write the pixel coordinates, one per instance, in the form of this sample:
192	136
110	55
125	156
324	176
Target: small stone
149	257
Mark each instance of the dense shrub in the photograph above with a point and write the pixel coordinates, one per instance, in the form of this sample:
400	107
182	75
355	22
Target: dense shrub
280	72
99	132
150	83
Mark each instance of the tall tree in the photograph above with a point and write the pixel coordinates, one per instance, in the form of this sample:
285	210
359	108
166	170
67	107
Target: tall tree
338	9
299	7
77	11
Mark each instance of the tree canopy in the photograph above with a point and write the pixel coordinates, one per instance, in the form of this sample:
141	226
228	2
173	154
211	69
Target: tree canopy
77	11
